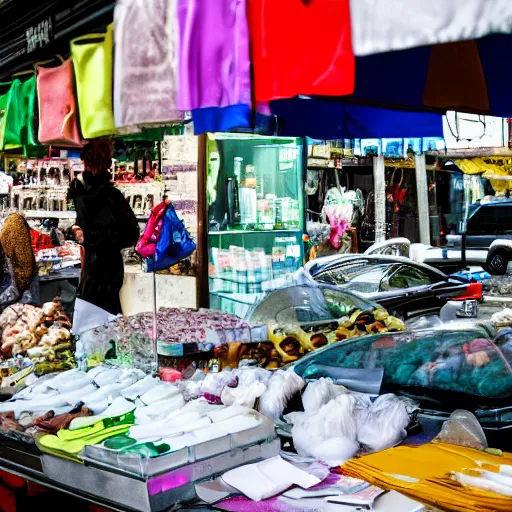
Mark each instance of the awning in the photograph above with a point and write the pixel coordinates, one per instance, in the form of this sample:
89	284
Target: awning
323	119
489	168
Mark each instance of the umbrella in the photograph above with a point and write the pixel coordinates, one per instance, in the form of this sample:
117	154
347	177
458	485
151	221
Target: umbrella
435	55
467	76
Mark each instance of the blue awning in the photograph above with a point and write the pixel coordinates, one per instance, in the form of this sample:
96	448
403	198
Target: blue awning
322	119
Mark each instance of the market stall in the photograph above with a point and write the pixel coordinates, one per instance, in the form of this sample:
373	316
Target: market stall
158	409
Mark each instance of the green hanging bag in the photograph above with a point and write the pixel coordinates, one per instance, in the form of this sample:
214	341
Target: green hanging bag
17	115
13	117
7	109
28	103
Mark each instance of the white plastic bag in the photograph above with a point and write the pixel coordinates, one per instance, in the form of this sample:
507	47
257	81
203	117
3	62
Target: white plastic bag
243	395
335	451
248	374
383	425
280	388
463	429
214	383
319	393
334	420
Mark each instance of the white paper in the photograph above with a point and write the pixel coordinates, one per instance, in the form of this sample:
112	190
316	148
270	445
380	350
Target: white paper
268	478
88	316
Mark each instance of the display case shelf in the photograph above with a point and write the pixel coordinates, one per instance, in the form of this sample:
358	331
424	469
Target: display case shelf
254	231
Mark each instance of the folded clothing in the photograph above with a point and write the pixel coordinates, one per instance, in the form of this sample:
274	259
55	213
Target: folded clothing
162	391
52	424
119	407
140	388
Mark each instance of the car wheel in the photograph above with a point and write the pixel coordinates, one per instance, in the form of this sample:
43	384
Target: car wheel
497	263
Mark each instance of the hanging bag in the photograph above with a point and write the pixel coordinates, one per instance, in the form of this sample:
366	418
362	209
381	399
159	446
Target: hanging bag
58	112
175	243
146	246
10	120
28	105
92	60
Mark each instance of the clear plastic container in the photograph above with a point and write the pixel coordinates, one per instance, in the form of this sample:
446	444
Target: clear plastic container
143	466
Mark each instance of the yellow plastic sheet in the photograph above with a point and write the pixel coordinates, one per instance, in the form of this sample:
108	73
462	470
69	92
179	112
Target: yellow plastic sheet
92	60
421	472
487	167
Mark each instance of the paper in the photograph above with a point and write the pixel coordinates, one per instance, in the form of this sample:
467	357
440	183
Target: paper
88	316
343	485
364	498
268	478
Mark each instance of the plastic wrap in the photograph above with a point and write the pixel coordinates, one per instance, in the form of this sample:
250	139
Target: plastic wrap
320	392
243	395
383	425
462	428
214	383
333	420
281	387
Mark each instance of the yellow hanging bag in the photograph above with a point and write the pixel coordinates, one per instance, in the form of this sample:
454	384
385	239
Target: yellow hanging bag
92	60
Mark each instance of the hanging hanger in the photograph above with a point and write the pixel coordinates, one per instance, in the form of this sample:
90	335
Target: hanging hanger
49	61
21	73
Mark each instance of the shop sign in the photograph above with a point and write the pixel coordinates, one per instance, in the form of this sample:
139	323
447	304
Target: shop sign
40	35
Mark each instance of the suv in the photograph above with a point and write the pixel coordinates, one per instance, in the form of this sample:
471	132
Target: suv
488	224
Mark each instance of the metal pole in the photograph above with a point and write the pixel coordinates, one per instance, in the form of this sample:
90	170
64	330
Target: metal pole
155	334
422	194
379	184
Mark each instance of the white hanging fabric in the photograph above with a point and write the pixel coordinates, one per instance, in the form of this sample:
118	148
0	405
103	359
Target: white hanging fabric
146	63
388	25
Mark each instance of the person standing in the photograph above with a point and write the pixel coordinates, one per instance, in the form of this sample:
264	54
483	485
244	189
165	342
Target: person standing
108	224
6	183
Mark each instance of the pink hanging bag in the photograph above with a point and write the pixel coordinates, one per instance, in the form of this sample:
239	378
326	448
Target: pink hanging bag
58	111
146	246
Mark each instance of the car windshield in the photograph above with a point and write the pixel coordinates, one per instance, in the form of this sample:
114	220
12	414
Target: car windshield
306	304
362	275
461	361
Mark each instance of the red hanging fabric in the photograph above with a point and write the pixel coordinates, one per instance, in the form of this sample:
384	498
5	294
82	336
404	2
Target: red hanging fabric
301	47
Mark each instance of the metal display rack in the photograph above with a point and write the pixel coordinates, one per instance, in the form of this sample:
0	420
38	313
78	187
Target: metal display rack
162	484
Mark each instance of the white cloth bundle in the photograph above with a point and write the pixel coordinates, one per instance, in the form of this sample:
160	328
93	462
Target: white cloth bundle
388	25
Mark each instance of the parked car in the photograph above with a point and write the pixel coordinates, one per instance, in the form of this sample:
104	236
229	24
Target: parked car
488	222
499	256
442	369
405	288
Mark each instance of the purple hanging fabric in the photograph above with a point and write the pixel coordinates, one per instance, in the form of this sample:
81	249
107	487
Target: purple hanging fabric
214	63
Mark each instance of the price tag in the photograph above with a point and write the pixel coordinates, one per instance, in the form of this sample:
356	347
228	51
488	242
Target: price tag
39	35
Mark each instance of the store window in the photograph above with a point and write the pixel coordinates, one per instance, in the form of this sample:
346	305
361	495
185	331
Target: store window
504	219
483	222
256	217
407	277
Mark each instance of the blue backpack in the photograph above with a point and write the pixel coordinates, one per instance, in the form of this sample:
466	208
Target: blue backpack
174	245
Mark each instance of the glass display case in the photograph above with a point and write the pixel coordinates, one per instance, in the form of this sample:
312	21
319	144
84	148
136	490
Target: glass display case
255	215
